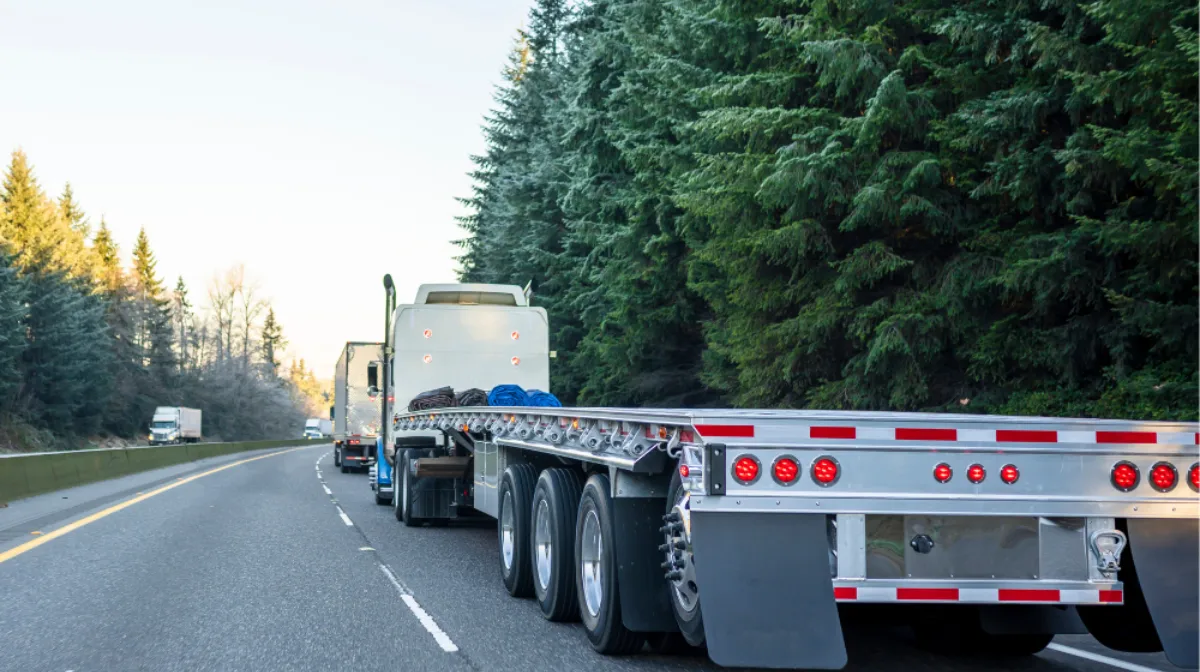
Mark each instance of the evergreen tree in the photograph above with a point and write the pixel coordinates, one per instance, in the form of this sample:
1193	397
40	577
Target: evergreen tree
12	330
155	334
273	343
181	311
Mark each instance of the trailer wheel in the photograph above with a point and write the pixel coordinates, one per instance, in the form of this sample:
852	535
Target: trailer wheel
685	597
337	457
399	494
409	519
599	595
516	503
555	504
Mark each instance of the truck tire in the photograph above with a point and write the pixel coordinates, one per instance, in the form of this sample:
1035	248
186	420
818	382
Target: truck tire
337	457
516	502
596	587
407	477
552	542
399	494
685	600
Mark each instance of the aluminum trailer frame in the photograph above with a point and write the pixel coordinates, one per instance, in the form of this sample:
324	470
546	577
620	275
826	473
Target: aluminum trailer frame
779	556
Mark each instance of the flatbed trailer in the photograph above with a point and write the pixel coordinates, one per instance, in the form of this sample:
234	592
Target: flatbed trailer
747	531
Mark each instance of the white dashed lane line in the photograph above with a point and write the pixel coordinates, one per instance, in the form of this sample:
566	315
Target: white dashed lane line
443	640
1097	658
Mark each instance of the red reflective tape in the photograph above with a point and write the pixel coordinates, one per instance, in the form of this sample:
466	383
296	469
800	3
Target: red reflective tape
1028	595
845	593
740	431
1111	596
1126	437
649	434
944	594
686	436
919	434
832	433
1026	436
1198	438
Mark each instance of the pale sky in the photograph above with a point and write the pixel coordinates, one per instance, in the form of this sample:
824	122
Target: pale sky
320	143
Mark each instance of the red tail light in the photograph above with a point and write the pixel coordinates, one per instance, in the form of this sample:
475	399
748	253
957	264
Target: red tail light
684	471
1194	476
825	471
786	470
1125	476
975	473
1009	473
1163	477
942	473
745	469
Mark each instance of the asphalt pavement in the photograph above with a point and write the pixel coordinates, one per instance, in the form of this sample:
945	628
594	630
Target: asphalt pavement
274	560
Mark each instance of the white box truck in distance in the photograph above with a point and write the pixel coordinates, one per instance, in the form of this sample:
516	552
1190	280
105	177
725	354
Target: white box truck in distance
357	409
317	428
174	424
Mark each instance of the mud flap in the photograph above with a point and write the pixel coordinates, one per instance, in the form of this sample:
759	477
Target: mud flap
645	602
1168	563
766	591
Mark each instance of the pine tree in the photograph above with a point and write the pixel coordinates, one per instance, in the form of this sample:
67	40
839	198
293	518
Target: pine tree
181	311
273	343
155	334
12	330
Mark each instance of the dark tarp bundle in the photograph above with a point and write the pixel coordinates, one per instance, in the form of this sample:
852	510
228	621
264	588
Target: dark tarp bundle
544	399
472	397
442	397
508	395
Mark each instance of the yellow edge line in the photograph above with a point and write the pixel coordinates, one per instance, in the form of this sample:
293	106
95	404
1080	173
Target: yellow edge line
30	545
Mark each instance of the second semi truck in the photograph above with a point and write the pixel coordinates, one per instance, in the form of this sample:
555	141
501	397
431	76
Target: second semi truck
356	405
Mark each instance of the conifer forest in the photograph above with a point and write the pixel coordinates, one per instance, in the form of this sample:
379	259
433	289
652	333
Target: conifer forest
88	348
977	207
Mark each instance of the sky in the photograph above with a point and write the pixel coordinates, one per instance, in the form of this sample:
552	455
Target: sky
321	144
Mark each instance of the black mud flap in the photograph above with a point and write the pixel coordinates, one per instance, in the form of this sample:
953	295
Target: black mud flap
766	591
1167	553
645	602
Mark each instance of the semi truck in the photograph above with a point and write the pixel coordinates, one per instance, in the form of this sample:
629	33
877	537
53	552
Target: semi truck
750	532
357	406
317	428
174	424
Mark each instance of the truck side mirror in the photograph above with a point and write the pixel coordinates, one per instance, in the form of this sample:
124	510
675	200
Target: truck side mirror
331	413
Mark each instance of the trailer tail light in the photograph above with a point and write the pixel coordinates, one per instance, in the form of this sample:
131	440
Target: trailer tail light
745	469
684	471
1163	477
976	473
825	471
942	473
1125	476
785	470
1009	473
1194	477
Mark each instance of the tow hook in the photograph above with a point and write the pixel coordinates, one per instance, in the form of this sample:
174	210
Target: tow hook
1107	545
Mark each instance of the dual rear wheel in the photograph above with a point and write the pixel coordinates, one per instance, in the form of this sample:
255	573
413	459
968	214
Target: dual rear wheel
556	545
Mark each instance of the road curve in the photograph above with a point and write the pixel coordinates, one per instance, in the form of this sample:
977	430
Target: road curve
280	562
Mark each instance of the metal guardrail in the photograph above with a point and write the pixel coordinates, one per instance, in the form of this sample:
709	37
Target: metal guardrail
27	474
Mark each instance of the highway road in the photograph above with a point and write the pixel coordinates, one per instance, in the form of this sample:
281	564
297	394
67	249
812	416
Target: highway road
274	560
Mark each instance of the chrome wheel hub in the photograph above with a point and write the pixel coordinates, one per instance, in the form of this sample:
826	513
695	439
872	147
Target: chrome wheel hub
508	532
591	563
680	562
543	548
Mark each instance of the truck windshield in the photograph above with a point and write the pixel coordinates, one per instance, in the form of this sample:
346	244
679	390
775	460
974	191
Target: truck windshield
163	424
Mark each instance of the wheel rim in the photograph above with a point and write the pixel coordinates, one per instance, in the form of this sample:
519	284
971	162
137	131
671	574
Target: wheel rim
591	559
544	549
507	531
684	589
